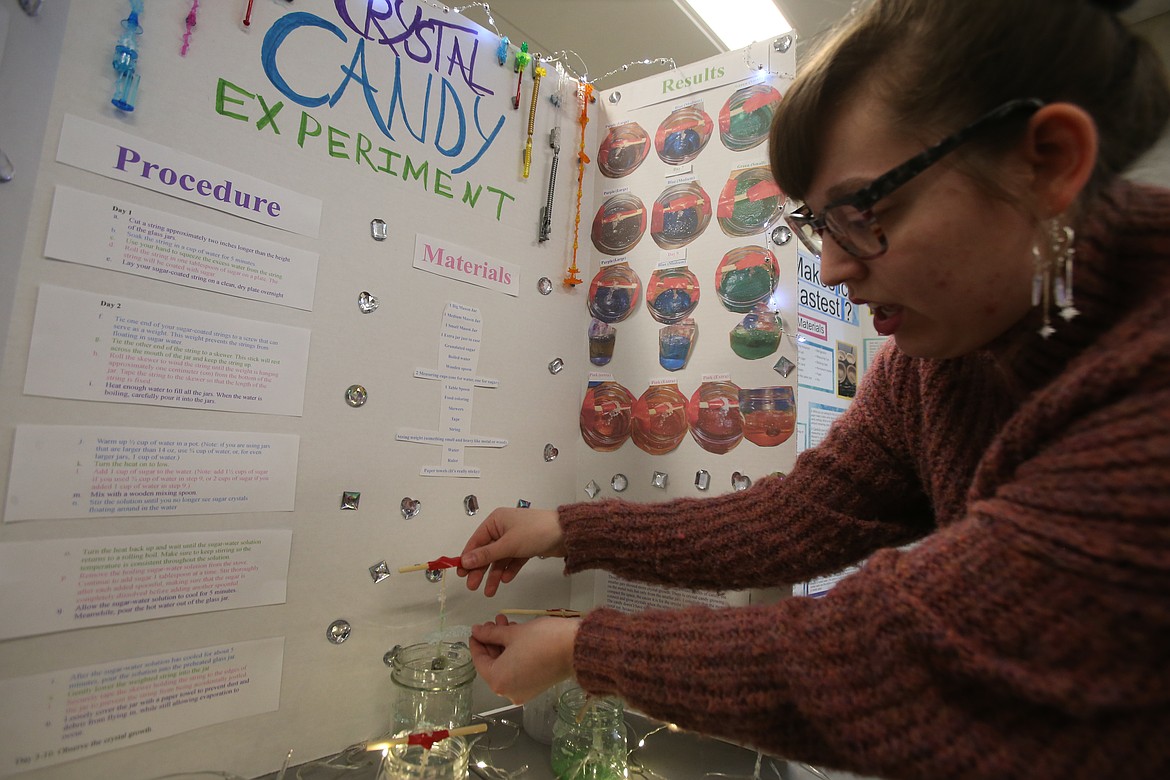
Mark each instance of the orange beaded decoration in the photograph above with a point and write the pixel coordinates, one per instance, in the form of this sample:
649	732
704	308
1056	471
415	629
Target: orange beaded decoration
585	95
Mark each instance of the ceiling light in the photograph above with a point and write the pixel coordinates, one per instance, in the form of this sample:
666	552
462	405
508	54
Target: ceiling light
734	24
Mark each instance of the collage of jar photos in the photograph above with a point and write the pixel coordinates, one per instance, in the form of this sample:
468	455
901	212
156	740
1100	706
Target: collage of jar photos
689	215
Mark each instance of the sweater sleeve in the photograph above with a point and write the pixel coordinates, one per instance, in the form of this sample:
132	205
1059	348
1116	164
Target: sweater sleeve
1028	639
857	491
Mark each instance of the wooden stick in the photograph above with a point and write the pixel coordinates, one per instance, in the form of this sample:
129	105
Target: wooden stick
566	613
415	567
462	731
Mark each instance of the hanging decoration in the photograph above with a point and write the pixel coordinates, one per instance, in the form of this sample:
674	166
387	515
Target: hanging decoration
584	97
538	72
520	64
191	16
502	51
126	60
554	141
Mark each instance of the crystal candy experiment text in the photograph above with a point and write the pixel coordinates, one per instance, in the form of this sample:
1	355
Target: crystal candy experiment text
450	50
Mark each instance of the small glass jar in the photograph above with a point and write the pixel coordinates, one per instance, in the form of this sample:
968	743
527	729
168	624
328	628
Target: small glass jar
446	760
432	682
589	738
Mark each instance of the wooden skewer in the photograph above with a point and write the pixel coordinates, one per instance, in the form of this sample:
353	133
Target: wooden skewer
415	567
566	613
462	731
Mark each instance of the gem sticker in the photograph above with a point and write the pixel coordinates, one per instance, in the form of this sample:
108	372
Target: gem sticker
367	303
338	631
355	395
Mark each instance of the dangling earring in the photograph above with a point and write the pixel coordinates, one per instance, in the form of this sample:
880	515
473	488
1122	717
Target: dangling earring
1052	279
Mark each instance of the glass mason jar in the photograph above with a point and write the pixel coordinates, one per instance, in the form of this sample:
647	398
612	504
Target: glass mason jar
446	760
589	738
432	682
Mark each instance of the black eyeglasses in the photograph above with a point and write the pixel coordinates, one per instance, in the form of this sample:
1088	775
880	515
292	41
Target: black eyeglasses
850	220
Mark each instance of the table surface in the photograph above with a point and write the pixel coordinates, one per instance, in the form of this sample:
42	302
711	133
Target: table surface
507	752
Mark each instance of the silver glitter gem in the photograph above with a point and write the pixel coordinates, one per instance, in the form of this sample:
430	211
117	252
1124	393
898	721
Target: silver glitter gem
592	489
556	365
544	285
615	97
741	481
367	303
781	235
411	507
550	453
470	504
389	656
702	479
782	44
380	571
659	479
619	482
378	229
784	367
338	631
350	499
355	395
434	575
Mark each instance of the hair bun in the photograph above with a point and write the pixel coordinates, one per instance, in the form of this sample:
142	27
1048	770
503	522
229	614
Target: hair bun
1114	6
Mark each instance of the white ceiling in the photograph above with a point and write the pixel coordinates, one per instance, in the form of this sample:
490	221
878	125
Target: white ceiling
607	34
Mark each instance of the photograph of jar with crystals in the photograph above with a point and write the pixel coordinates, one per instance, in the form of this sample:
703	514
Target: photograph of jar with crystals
660	419
622	150
683	135
606	416
619	224
769	414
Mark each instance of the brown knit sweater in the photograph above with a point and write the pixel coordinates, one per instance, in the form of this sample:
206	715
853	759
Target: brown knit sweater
1026	636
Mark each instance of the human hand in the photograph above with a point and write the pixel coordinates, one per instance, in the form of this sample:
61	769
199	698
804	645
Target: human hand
519	660
505	541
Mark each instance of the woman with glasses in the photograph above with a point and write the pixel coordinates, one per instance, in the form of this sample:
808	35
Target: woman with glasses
959	167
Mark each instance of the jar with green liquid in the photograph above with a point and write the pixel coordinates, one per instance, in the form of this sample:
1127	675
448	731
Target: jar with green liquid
589	738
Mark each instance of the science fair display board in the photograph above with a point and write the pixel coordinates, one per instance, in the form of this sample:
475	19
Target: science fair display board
298	319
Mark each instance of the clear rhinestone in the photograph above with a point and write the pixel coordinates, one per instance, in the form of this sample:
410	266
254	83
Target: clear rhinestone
378	229
367	303
355	395
619	482
350	499
702	479
380	571
659	479
592	489
784	367
544	285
